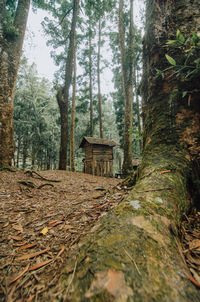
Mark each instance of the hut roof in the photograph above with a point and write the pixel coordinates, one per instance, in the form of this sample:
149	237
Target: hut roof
96	141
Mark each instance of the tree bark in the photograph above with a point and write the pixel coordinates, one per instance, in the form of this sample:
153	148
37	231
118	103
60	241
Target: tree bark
2	16
63	106
99	79
127	85
138	111
65	98
90	81
10	52
73	111
133	252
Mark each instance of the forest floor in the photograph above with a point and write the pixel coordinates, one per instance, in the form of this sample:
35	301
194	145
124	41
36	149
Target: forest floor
43	219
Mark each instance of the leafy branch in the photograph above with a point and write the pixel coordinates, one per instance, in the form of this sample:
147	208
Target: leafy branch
187	65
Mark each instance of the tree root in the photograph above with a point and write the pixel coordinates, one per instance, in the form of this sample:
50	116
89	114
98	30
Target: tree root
41	186
8	168
30	173
30	184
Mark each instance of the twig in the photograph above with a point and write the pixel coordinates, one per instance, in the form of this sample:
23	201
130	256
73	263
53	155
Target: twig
133	262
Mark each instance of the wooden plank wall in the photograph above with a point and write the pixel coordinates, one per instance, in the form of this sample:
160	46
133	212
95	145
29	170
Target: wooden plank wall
98	160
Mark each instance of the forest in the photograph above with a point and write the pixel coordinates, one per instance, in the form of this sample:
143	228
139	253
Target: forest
100	182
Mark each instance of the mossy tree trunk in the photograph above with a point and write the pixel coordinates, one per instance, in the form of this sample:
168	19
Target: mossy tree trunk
132	254
11	40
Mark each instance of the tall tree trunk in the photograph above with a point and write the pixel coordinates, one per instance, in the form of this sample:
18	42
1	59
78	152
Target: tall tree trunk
10	52
18	151
127	85
73	111
133	252
2	16
138	110
122	49
65	91
99	79
90	81
63	106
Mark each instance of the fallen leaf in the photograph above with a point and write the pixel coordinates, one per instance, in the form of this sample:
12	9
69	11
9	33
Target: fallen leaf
97	196
193	280
20	274
28	256
28	246
194	244
17	228
60	252
44	231
16	238
54	223
20	244
166	171
195	274
40	264
30	299
68	227
113	281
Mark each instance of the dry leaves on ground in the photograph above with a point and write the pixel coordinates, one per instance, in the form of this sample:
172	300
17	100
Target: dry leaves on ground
41	223
191	246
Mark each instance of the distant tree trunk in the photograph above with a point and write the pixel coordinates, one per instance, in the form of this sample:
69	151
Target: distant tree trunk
18	151
63	106
138	111
24	151
91	82
73	111
133	253
10	52
127	85
99	79
65	91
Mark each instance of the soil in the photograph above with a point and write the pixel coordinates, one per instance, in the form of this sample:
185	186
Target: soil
41	220
44	216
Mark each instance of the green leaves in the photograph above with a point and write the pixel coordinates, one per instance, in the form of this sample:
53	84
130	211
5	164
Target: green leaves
180	37
170	60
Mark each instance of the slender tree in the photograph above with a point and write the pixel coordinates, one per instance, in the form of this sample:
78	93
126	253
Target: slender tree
73	111
11	39
63	93
90	78
99	79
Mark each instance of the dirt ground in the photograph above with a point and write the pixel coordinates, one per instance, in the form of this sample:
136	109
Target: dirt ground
43	217
41	220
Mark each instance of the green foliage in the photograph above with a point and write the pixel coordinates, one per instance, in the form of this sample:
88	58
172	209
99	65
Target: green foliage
36	119
187	65
9	30
118	93
170	60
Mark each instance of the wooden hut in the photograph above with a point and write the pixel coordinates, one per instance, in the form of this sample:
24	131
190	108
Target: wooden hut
98	156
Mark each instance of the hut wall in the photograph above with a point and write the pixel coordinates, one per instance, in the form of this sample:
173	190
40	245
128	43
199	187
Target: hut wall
98	160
